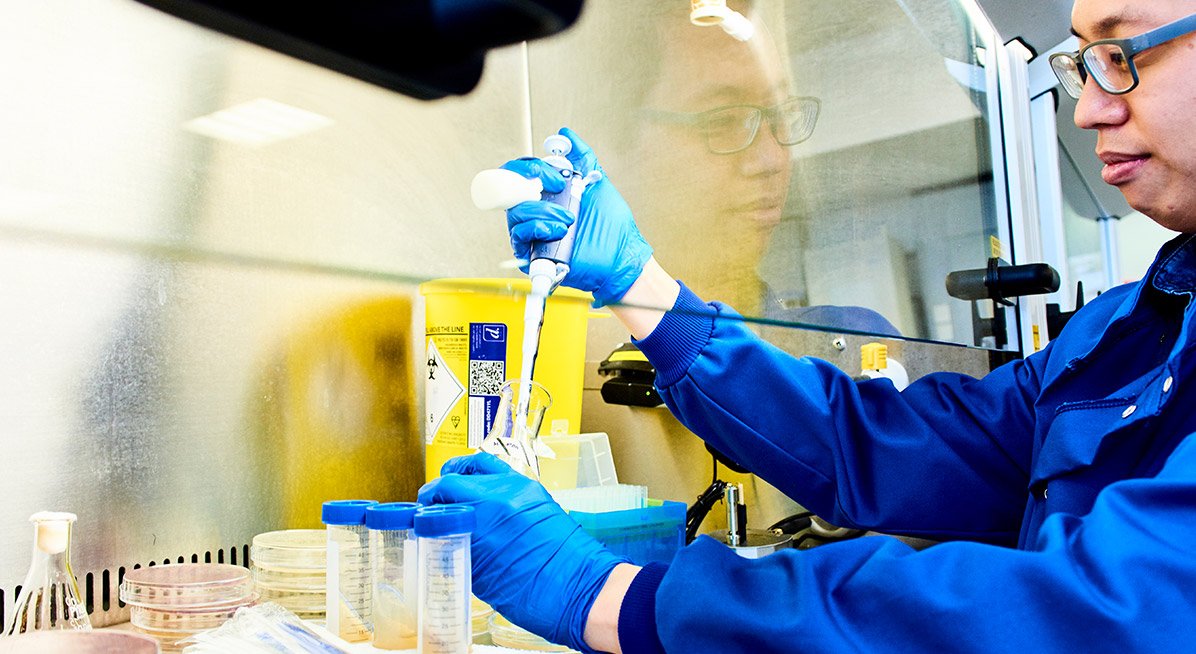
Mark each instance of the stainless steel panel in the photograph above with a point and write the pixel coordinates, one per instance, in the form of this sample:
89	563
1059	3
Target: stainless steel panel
204	335
180	407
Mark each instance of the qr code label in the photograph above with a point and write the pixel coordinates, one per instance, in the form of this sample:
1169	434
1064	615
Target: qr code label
486	377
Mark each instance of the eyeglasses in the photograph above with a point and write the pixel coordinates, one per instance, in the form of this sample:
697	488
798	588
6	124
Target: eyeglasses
733	128
1111	61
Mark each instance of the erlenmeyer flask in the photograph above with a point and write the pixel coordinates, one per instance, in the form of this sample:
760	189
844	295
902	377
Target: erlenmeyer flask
49	598
518	441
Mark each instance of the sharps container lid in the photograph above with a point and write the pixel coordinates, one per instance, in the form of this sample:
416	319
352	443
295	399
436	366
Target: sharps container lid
444	520
391	516
345	512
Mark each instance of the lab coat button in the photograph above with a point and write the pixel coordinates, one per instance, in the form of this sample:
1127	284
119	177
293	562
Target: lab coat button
1167	384
1129	411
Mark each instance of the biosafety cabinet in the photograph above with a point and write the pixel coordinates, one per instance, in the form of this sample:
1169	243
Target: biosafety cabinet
210	250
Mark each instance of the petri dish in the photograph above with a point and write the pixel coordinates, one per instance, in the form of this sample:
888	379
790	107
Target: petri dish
185	621
308	603
479	613
79	642
187	585
168	641
505	634
289	580
290	549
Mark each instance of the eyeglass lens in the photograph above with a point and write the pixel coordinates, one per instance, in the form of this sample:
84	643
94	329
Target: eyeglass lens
1107	63
732	129
1069	74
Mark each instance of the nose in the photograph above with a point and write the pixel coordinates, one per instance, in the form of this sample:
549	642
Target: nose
765	156
1097	108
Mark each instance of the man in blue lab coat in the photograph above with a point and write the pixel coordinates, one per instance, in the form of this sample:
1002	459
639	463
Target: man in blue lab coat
1064	484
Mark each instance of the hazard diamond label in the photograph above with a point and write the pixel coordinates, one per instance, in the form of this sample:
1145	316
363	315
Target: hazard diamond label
442	391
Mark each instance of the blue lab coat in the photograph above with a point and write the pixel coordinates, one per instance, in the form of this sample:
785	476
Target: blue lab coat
1064	483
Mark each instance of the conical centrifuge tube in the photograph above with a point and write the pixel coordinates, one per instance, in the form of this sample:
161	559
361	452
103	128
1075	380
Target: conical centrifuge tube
49	598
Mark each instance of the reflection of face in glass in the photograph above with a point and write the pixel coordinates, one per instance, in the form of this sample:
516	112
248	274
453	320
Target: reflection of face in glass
707	194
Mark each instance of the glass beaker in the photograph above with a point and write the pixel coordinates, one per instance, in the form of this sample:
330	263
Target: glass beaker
515	435
50	598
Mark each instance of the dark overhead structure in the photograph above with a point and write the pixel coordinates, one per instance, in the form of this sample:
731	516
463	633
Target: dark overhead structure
426	49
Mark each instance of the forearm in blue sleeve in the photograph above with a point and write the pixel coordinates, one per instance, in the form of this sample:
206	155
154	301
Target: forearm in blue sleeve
1118	579
857	453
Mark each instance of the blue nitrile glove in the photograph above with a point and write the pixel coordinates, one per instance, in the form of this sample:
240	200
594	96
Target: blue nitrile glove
609	253
531	561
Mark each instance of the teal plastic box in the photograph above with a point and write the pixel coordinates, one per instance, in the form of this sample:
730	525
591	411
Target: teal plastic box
653	533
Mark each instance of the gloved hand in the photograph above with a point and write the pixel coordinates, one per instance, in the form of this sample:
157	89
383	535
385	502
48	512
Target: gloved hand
531	561
608	253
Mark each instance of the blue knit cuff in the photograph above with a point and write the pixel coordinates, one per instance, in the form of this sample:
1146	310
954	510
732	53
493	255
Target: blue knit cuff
679	338
637	613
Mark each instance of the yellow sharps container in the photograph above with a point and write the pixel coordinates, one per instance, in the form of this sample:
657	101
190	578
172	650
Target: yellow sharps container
474	342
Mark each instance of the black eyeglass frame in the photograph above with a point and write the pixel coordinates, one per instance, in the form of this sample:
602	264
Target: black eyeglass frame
768	114
1130	48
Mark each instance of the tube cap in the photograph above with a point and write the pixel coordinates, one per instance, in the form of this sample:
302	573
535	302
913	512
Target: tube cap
391	516
345	512
444	520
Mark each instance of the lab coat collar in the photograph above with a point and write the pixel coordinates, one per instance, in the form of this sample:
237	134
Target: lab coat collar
1173	271
1175	266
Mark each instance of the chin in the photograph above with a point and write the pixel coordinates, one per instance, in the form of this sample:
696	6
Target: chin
1177	216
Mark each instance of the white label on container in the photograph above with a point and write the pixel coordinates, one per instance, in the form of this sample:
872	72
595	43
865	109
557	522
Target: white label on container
477	407
443	390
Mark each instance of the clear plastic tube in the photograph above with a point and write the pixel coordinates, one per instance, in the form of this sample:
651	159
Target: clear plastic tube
445	582
348	605
395	603
393	557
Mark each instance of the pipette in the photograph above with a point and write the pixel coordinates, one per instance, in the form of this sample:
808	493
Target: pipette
549	260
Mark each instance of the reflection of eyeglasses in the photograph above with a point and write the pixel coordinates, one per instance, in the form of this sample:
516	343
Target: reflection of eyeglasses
1111	61
733	128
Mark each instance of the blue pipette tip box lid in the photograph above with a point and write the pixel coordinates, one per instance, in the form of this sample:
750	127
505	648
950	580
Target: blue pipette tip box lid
444	520
345	512
391	516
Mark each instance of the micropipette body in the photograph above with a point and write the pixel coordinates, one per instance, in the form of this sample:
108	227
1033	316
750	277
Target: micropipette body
548	262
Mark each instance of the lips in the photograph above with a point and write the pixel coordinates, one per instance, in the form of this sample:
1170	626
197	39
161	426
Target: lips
1121	167
763	204
764	211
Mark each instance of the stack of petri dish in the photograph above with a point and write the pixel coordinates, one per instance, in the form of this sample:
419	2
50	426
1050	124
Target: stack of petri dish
479	613
505	634
173	602
289	569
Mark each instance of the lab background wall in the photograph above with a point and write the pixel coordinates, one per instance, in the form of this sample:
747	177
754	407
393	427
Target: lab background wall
210	320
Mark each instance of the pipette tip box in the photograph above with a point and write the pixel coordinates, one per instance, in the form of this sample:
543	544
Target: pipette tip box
653	533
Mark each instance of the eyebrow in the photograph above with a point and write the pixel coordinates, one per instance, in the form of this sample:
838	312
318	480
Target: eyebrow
1107	24
727	93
